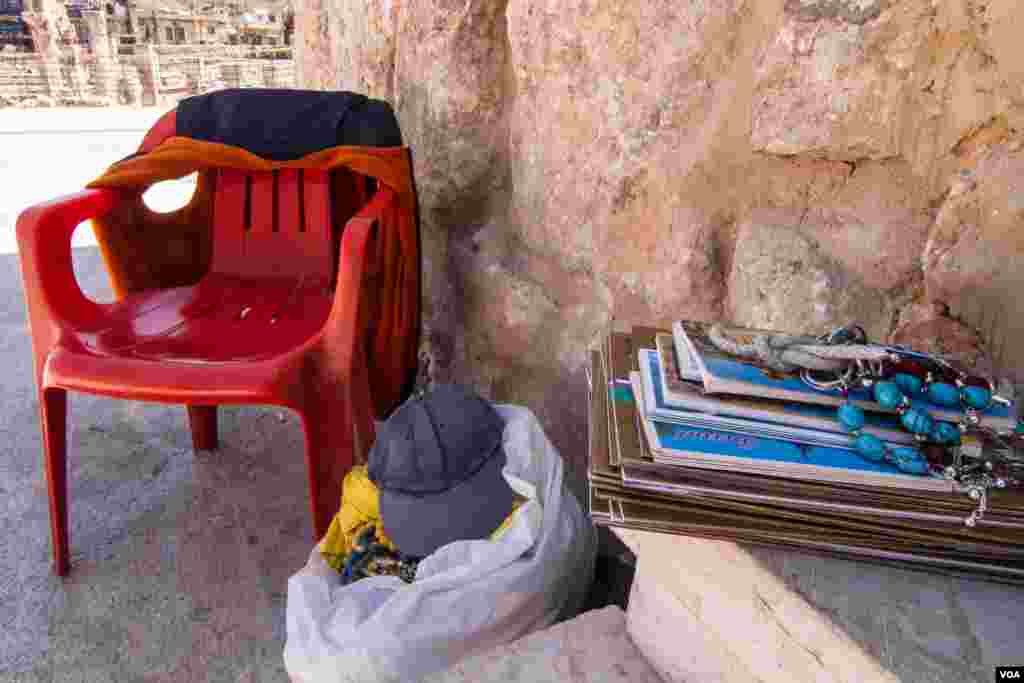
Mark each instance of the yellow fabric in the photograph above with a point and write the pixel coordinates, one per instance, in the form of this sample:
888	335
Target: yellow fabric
516	502
360	507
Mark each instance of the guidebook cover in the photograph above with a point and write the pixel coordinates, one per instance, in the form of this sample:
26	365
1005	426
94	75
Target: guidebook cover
697	447
682	369
621	360
724	373
803	422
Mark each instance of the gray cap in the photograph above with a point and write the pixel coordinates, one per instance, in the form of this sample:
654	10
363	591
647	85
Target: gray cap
437	462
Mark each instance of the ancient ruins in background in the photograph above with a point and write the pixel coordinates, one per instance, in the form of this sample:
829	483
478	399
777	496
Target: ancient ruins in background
139	52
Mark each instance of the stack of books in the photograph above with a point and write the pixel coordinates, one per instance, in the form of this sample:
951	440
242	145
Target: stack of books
686	439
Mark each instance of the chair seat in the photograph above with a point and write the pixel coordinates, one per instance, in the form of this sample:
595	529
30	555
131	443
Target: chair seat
222	321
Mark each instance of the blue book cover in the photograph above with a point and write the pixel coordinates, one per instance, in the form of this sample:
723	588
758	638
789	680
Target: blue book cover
726	374
804	422
694	446
691	446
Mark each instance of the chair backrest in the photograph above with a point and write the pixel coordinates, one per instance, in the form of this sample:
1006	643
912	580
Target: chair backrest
275	224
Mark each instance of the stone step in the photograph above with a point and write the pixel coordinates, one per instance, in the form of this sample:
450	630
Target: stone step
594	647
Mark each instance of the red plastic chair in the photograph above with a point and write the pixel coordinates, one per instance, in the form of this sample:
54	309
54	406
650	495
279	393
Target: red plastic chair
265	325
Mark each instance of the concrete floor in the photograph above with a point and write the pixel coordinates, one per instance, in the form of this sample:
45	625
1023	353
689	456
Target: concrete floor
179	560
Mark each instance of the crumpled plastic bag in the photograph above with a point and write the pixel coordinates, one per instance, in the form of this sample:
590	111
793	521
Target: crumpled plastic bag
468	597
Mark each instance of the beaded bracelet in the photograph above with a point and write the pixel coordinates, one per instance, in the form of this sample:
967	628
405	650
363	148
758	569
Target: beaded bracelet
894	375
870	447
911	460
975	478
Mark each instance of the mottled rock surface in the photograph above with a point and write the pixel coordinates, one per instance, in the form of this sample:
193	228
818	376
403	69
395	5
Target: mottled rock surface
929	328
974	258
784	163
782	279
822	94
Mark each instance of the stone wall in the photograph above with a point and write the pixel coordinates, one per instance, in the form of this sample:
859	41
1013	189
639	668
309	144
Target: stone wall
794	164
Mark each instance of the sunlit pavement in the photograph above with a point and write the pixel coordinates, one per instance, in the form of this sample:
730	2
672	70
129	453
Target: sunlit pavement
47	153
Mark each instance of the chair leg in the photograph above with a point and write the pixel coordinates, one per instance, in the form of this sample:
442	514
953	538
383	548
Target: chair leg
203	422
331	450
53	409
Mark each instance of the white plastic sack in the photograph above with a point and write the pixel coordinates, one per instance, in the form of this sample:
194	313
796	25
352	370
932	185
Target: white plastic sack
468	597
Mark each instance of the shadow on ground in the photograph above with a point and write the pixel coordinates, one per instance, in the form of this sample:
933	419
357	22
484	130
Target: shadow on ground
180	560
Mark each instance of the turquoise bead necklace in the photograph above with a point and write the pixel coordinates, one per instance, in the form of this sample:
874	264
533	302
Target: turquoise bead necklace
895	376
893	395
894	392
975	480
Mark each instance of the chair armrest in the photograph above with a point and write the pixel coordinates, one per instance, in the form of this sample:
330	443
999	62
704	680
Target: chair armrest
344	346
44	247
384	198
355	263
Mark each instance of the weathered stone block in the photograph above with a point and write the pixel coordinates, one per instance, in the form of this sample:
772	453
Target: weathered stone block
593	648
821	92
782	280
974	257
928	328
1002	25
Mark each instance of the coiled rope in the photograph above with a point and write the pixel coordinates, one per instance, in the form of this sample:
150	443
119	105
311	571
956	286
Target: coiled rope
791	353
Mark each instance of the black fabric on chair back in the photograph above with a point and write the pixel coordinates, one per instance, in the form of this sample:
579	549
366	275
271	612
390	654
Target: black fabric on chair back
285	124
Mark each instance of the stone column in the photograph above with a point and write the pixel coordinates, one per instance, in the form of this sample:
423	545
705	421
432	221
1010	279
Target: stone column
132	90
79	79
149	74
44	39
106	59
201	77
